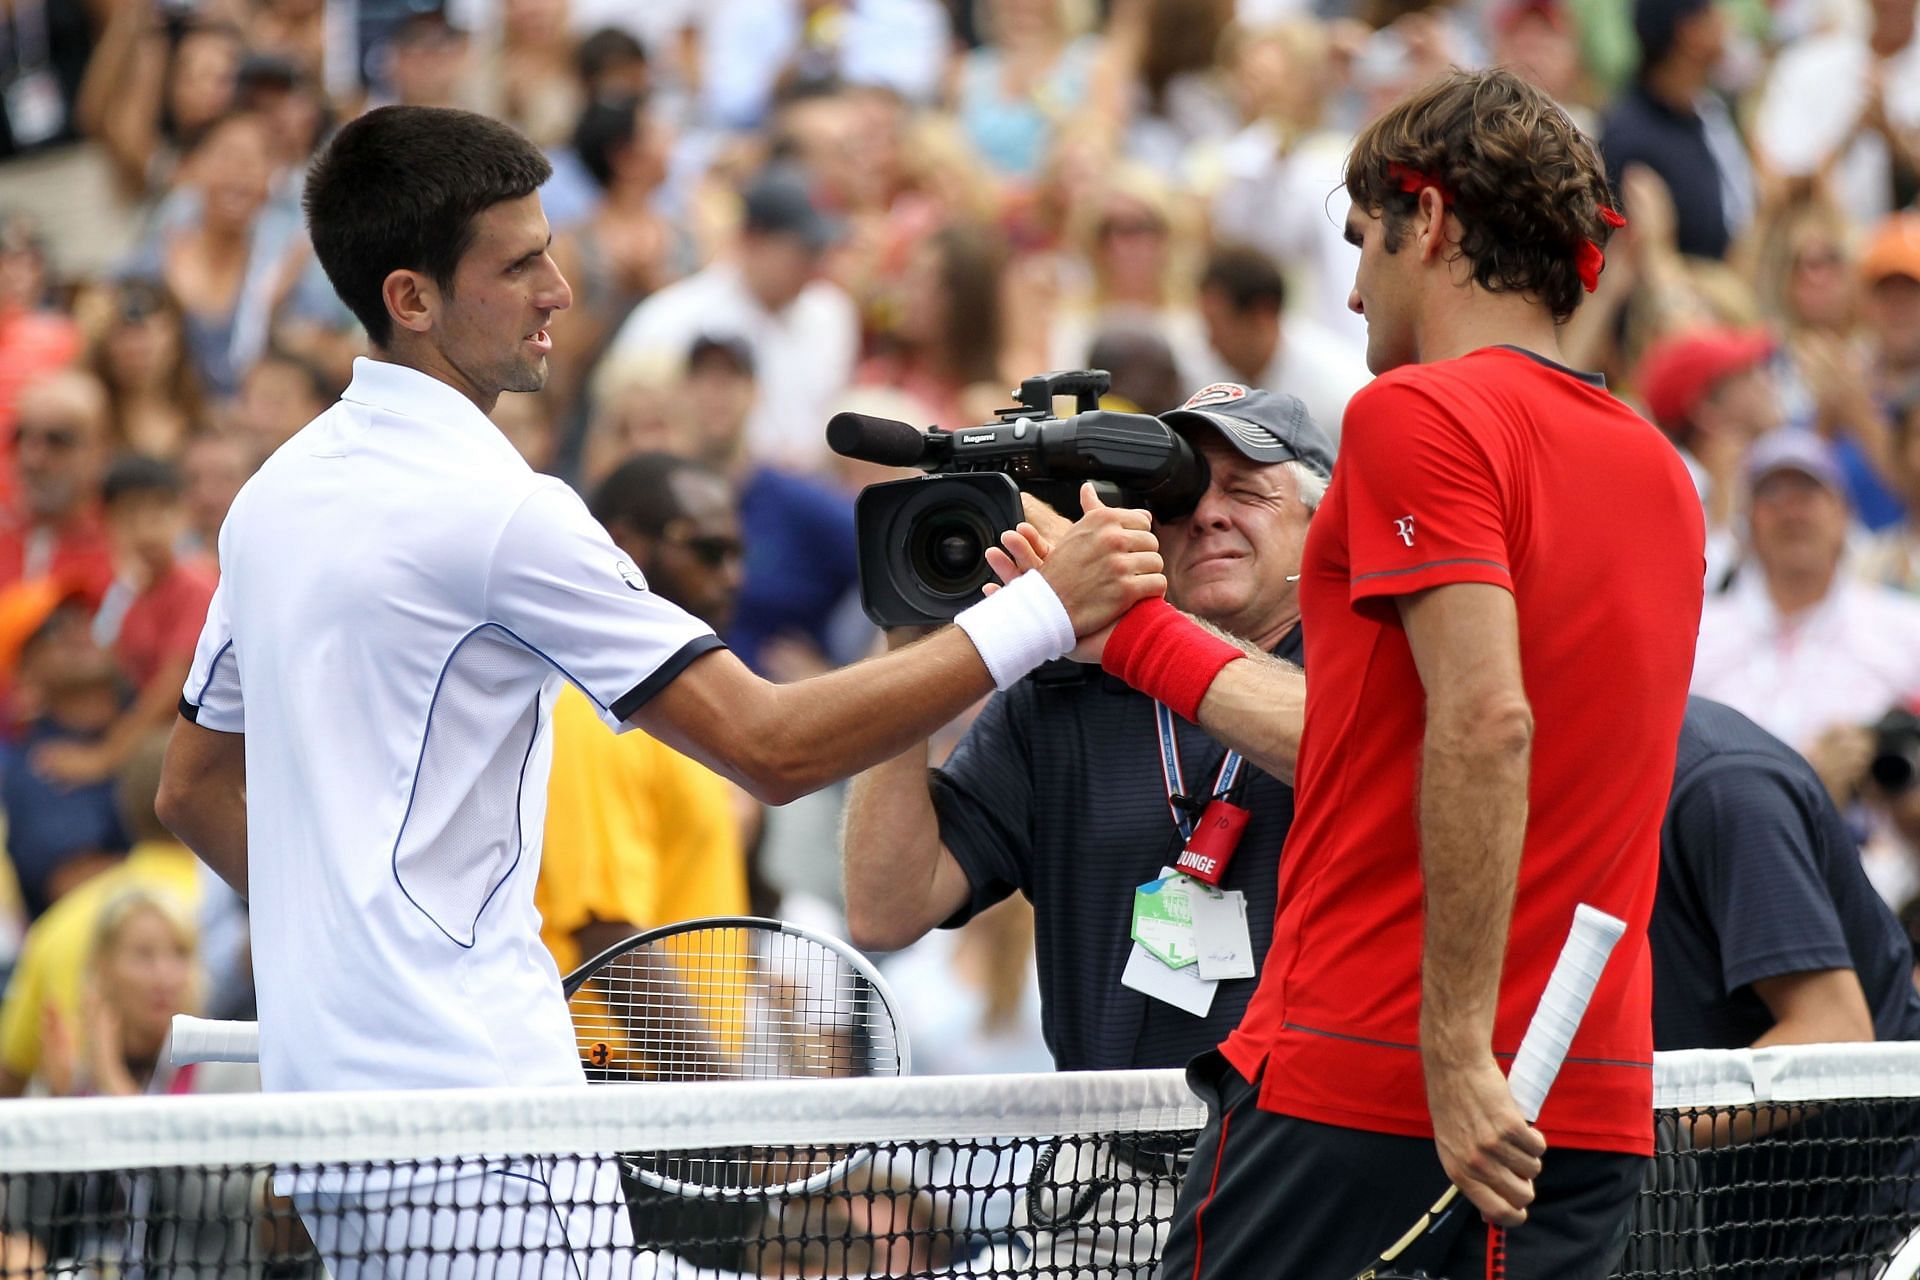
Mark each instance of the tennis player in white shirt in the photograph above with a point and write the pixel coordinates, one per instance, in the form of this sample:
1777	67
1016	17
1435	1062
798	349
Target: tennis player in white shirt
364	737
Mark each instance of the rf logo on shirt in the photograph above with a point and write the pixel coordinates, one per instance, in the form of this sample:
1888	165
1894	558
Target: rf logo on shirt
1404	528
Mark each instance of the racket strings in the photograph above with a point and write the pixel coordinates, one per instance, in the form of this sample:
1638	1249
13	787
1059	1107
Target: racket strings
733	1003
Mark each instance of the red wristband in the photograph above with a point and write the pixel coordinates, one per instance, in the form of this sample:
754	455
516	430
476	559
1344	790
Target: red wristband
1161	652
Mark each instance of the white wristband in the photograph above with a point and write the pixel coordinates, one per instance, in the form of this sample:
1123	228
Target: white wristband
1017	628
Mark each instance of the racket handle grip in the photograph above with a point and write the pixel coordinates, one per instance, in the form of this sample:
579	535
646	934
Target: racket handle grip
206	1040
1575	974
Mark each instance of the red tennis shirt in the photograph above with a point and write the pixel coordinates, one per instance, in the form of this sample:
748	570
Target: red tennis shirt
1497	468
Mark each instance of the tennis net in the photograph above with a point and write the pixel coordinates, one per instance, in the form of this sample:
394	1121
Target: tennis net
1799	1162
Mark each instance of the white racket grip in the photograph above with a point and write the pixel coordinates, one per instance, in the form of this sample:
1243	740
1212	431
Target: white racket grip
207	1040
1575	974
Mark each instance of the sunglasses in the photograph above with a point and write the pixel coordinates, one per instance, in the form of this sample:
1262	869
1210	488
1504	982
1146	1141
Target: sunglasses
58	438
712	552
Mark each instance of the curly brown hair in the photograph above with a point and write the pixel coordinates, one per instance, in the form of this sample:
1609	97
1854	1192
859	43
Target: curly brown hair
1527	186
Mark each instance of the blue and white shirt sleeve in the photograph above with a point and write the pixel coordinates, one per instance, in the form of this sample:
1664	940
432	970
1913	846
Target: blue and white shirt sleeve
211	697
560	585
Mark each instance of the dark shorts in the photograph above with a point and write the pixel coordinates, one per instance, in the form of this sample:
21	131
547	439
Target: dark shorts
1269	1195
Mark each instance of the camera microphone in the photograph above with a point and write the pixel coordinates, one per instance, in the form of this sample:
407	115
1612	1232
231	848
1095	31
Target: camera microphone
881	440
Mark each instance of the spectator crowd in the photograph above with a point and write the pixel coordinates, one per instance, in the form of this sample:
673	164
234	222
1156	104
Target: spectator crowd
774	210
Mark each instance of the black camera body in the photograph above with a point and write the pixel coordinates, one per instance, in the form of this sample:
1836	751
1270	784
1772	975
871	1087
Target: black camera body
923	541
1896	751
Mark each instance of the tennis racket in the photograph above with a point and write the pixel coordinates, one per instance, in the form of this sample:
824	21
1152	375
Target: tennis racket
723	998
736	998
207	1040
1544	1047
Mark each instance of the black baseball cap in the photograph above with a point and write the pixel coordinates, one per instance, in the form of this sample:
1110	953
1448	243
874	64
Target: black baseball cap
779	203
1266	426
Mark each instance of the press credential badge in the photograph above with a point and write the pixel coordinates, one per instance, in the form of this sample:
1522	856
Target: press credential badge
1221	936
1163	921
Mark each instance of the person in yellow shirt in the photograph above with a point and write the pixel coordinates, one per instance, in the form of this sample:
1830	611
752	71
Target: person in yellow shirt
638	835
49	981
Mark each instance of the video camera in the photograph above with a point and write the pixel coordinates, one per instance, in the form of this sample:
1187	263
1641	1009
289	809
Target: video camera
1896	751
923	541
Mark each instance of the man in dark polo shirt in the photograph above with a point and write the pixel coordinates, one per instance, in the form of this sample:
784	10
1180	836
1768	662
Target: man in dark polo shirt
1669	120
1058	791
1766	932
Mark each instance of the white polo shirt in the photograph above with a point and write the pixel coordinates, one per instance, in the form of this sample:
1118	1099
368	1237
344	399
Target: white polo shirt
401	597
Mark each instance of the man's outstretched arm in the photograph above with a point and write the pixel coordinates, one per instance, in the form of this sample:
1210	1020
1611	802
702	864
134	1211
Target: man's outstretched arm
782	741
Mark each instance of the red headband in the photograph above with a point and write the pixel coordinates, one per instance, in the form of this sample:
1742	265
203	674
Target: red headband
1412	181
1588	260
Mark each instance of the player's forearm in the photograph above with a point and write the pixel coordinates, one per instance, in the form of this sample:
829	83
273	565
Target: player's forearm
1473	818
1257	707
891	854
782	741
835	725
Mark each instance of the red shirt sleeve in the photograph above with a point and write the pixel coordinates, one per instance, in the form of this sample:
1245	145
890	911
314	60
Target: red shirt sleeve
1422	499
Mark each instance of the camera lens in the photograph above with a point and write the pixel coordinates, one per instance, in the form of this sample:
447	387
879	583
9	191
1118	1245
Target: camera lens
1892	772
948	548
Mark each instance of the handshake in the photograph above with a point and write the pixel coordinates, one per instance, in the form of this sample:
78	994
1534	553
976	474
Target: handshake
1063	586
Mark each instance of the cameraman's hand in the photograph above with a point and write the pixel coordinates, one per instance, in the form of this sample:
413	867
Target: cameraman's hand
1841	756
1100	566
1051	525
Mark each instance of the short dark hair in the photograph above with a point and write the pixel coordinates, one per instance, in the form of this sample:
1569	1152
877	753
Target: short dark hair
133	474
1246	276
1142	365
399	188
324	387
605	126
1656	26
1525	183
720	348
640	492
604	50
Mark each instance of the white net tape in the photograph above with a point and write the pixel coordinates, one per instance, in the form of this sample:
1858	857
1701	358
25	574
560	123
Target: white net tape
117	1133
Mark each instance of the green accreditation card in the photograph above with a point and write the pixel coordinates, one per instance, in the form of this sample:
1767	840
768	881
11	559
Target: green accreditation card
1163	921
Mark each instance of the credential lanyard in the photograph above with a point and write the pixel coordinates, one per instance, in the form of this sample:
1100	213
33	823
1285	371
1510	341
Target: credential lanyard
1170	770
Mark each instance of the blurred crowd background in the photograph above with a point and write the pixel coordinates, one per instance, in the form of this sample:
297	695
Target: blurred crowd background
773	210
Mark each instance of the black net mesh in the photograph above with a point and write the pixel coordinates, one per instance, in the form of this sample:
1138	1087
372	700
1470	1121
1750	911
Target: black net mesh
1082	1205
1826	1190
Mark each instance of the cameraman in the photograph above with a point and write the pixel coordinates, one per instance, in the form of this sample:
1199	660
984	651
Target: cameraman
1873	773
1766	931
1059	791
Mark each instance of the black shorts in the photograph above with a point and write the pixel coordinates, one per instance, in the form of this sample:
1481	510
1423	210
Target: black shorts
1271	1196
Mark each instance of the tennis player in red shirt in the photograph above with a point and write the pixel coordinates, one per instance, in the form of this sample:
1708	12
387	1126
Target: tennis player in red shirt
1500	595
